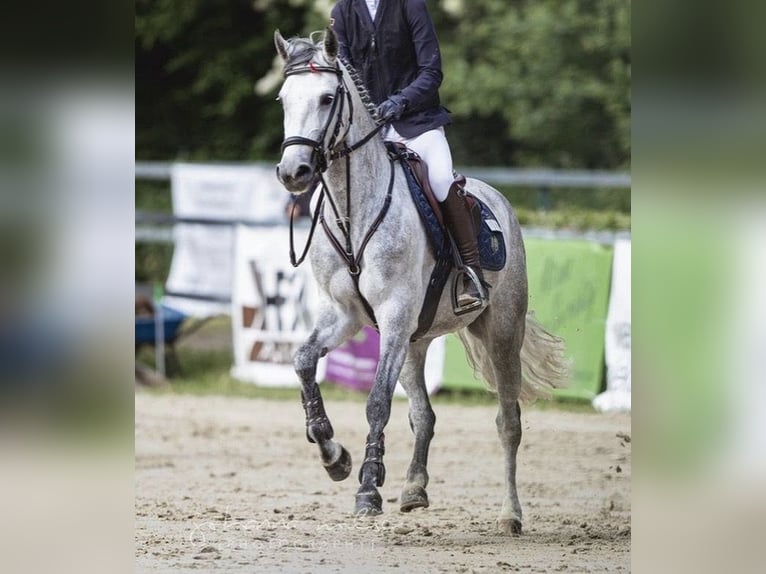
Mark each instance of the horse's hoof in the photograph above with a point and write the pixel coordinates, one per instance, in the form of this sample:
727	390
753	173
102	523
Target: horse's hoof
413	497
341	468
368	504
509	526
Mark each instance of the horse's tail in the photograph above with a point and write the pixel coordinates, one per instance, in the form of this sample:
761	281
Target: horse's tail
543	364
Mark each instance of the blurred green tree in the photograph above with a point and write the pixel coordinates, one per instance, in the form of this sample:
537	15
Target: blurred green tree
196	65
546	82
529	83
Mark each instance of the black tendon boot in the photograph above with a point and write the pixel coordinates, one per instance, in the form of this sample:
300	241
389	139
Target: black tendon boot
461	225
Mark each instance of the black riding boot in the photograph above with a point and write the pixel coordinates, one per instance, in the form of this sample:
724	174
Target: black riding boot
461	225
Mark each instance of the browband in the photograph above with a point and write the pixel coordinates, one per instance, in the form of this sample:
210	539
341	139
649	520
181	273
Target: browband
312	68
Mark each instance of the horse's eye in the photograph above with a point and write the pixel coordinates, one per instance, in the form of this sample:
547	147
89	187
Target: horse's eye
326	100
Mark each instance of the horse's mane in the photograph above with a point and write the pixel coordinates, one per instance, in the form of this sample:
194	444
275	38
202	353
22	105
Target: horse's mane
364	94
300	51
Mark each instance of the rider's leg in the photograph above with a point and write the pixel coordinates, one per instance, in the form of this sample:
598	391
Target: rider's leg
433	148
460	221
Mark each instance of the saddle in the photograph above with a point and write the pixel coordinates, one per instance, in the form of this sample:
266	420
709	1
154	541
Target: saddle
419	170
490	236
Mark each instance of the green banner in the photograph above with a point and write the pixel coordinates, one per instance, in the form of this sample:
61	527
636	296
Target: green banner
569	292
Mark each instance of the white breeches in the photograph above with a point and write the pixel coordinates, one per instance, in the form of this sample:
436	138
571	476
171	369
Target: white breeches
433	148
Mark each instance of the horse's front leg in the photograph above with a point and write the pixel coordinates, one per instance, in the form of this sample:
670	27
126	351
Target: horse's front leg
393	349
422	420
332	329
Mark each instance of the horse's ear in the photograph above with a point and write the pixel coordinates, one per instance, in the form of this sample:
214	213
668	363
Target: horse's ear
281	45
330	45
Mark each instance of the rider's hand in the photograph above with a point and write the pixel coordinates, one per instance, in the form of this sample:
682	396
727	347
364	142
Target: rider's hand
392	108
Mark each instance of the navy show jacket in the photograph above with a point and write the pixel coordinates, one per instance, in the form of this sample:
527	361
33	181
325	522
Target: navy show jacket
397	53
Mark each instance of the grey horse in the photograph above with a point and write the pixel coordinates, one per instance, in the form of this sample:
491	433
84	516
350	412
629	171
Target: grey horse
373	265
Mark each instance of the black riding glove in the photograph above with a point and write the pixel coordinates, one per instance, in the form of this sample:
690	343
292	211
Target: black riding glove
392	108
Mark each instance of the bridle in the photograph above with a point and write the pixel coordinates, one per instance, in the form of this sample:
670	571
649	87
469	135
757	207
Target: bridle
341	98
336	148
319	153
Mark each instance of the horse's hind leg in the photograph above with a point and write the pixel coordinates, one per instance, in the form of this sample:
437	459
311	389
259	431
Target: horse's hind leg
506	364
331	330
422	420
502	337
509	428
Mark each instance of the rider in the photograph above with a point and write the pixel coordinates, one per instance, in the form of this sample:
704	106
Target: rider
393	45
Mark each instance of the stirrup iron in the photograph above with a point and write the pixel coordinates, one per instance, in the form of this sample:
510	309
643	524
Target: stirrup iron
457	284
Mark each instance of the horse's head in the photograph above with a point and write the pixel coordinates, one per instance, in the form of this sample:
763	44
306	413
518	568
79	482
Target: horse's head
312	97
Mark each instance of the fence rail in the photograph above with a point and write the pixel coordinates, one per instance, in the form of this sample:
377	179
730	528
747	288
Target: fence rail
155	227
540	178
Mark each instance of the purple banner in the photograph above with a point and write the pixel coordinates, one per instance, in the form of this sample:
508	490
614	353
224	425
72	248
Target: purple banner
353	364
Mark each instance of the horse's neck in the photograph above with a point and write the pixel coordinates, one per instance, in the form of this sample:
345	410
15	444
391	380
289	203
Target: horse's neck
369	170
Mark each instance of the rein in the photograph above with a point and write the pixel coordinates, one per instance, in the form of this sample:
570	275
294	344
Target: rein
322	159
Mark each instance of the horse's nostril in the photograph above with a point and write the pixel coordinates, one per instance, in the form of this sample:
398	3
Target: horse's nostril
304	170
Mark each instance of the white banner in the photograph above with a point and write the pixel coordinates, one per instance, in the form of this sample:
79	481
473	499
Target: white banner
618	327
273	306
200	272
227	193
200	279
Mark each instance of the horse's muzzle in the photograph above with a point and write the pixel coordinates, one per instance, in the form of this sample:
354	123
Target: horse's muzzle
296	180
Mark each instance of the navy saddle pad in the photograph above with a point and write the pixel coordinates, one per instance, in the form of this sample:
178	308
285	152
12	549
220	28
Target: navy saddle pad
490	240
